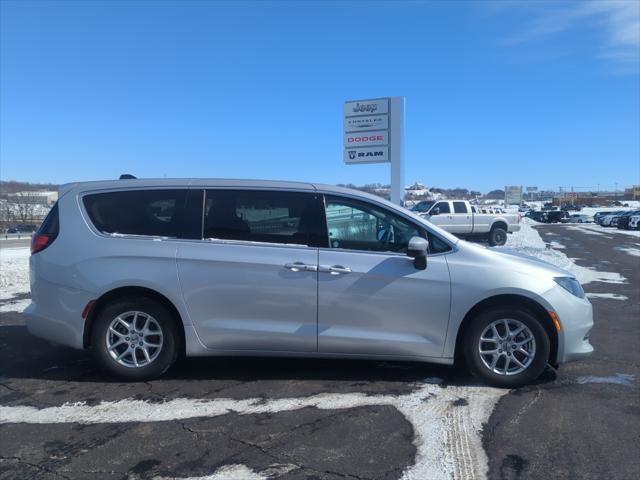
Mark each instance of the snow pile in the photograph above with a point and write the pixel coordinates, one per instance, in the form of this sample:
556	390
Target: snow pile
14	278
529	242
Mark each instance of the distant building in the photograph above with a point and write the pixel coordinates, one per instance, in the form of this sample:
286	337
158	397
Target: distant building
632	193
46	199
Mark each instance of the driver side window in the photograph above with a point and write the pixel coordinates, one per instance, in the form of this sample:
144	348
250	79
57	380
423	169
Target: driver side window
357	225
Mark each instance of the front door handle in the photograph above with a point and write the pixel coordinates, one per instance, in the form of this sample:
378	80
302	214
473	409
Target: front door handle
335	269
301	267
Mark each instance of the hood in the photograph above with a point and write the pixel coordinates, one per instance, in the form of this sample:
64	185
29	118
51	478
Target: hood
517	261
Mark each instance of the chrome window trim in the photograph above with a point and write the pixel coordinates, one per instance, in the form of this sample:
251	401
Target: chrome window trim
85	216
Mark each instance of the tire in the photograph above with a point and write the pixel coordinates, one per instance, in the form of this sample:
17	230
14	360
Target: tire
159	339
497	236
516	376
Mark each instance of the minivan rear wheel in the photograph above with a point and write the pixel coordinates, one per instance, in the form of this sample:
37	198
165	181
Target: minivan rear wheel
506	347
135	338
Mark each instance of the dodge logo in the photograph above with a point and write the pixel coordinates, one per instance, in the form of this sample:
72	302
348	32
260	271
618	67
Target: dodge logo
352	154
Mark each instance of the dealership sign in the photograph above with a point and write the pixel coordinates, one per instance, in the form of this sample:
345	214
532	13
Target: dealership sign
367	131
374	133
513	195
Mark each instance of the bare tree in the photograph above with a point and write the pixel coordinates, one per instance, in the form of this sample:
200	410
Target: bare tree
22	206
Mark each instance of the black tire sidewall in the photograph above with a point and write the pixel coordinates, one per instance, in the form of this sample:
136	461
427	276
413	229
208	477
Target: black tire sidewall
494	236
477	367
167	323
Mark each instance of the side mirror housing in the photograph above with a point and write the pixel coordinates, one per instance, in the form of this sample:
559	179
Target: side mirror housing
417	249
434	211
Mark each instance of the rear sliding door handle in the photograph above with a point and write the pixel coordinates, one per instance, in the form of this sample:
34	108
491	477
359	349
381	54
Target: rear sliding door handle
300	267
335	269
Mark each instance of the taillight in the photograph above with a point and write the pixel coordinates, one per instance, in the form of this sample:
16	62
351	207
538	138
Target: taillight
47	232
40	242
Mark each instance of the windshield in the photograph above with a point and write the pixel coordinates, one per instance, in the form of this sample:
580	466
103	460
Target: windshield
423	206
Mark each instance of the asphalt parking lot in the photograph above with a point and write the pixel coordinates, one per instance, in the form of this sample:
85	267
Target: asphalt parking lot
229	418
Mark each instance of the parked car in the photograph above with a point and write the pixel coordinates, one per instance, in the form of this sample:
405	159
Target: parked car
556	216
26	228
598	215
608	220
580	218
623	220
606	217
469	221
571	208
12	230
538	216
141	271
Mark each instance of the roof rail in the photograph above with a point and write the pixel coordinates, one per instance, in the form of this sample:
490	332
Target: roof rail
126	176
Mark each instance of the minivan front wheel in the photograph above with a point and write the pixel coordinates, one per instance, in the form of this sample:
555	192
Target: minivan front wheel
135	338
506	348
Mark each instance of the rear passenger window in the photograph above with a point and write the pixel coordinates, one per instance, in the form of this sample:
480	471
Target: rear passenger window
155	213
265	216
459	207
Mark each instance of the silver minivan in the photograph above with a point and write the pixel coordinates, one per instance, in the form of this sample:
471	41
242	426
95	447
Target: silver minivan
142	271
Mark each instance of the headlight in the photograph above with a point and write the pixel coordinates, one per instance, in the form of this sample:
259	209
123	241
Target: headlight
571	285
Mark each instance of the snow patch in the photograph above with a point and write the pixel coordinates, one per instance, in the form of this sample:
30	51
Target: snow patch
625	379
15	305
529	242
595	229
447	435
630	250
557	246
14	273
228	472
612	296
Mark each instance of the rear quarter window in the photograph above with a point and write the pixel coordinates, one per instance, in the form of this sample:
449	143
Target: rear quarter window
51	224
156	213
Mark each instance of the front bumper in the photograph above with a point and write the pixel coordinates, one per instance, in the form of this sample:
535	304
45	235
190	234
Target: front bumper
576	321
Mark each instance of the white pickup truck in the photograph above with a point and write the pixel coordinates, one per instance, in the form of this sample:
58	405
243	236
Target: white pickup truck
465	220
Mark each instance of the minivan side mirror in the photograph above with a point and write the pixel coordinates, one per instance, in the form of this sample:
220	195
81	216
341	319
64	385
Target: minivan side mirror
435	211
417	249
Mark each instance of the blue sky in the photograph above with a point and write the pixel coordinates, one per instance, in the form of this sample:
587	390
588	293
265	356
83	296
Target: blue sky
497	93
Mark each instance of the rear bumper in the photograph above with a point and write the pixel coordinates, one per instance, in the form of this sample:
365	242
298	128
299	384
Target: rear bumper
54	330
55	312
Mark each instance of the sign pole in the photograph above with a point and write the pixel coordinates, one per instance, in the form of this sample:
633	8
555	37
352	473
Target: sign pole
397	149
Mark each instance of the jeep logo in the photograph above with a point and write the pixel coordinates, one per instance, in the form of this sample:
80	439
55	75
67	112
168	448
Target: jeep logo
365	107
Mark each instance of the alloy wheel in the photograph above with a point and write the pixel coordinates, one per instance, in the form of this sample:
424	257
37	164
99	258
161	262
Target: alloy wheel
134	339
507	347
